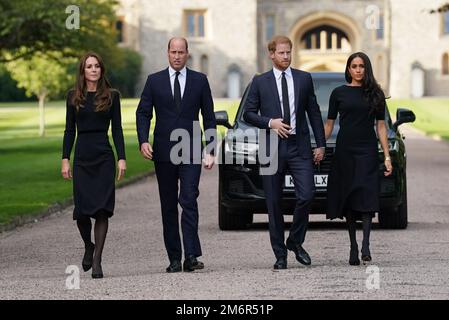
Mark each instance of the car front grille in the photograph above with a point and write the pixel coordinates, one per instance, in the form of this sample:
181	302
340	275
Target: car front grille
238	183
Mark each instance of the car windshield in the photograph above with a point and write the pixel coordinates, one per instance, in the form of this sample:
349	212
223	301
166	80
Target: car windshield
323	85
323	90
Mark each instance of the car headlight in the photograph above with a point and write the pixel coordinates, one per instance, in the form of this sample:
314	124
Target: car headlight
393	145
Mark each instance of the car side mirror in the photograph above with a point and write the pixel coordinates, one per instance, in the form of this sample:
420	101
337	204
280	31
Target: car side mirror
222	119
403	116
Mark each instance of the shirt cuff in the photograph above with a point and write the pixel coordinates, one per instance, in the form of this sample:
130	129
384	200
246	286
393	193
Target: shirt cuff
269	123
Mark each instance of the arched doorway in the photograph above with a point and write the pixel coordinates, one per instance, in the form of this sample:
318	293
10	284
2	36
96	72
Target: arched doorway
234	82
323	41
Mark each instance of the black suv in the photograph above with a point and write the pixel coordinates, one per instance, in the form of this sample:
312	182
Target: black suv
240	186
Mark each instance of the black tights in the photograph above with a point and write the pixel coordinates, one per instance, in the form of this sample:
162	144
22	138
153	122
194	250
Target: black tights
352	226
100	230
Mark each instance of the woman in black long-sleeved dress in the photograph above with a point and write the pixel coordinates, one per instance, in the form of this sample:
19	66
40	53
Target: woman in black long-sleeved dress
353	183
91	107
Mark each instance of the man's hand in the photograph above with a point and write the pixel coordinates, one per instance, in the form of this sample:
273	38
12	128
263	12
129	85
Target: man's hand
146	150
318	155
208	161
282	129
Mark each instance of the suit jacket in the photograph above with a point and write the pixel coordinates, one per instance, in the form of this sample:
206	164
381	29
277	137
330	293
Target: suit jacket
158	94
263	97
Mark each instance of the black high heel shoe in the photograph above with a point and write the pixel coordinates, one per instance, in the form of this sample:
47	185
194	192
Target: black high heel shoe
88	256
97	272
354	257
366	256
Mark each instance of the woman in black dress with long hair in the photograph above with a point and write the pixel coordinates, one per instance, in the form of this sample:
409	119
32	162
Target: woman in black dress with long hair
91	107
353	183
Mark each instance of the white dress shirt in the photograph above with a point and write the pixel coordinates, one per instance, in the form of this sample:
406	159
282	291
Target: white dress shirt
181	78
291	95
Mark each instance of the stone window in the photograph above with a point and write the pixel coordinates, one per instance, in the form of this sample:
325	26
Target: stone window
446	22
234	82
324	38
380	29
269	27
119	28
194	23
445	67
204	64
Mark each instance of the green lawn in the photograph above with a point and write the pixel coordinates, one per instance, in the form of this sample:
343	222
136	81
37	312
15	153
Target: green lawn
30	166
432	114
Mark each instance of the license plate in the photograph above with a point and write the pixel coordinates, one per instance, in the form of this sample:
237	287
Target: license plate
320	181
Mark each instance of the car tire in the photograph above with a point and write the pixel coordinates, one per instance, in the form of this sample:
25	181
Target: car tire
396	218
232	219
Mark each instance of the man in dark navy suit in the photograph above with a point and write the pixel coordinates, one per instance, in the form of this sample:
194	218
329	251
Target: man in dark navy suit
178	95
279	99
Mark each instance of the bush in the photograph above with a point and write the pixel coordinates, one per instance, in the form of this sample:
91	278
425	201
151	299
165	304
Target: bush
124	77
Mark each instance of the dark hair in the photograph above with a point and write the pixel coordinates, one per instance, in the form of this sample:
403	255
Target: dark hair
372	91
103	97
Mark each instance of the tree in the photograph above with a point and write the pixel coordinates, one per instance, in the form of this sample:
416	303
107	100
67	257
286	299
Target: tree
442	8
44	77
29	26
125	77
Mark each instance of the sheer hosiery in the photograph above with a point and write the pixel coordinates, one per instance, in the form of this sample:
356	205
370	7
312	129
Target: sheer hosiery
352	227
366	223
100	231
85	227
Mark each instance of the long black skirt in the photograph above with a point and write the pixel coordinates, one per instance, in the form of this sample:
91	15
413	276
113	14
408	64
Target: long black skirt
353	183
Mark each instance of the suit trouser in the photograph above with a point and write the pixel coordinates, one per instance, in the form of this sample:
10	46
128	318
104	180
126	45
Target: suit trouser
301	171
188	175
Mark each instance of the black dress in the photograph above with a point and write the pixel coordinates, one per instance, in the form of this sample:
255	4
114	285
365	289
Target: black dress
353	183
94	162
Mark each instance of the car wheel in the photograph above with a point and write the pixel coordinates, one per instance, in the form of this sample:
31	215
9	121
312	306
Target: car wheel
232	219
396	218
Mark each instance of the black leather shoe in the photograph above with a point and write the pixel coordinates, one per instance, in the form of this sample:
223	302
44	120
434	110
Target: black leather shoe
280	264
191	264
301	255
88	256
175	266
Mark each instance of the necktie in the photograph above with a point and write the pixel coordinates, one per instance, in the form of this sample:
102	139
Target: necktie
285	102
177	93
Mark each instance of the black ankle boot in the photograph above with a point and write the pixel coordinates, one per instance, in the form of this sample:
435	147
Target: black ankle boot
88	256
97	271
354	256
366	255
